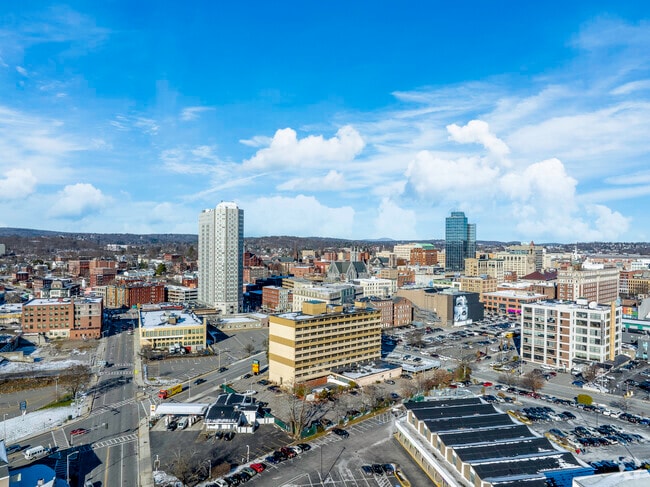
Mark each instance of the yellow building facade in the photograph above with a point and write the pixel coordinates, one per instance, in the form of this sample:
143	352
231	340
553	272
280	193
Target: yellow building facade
307	345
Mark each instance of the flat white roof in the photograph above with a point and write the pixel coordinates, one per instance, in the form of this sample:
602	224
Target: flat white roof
55	301
181	408
150	319
517	294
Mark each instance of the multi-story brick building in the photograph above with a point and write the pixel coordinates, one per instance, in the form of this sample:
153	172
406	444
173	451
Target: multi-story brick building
508	303
134	293
402	311
276	299
394	311
252	274
100	276
307	345
69	318
301	270
558	334
423	254
599	284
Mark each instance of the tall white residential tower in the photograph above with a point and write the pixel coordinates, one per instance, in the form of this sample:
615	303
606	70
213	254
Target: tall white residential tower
221	257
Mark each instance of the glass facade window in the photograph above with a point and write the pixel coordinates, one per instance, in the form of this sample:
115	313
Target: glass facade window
460	241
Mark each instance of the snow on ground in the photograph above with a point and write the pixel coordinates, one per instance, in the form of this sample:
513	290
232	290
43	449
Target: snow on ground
7	367
165	479
36	422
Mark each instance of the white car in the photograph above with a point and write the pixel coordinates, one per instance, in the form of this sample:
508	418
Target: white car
249	392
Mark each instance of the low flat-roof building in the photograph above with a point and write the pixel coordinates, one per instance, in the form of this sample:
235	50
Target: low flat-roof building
162	328
465	442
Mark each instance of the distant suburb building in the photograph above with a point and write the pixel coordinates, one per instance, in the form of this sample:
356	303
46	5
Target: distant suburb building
221	257
70	318
162	328
558	333
307	345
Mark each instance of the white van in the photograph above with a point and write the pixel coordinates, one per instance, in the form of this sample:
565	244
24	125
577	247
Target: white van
35	452
183	422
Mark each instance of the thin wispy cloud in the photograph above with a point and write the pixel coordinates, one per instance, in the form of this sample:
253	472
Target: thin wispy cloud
193	113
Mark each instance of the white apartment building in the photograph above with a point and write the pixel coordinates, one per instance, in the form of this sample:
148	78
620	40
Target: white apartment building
558	334
334	294
381	288
221	254
182	294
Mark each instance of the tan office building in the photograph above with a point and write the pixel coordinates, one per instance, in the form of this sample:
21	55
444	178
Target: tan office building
599	285
307	345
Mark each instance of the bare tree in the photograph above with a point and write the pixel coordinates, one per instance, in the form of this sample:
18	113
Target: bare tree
439	378
249	348
463	371
508	379
184	465
373	395
408	389
416	338
533	380
75	378
590	373
298	410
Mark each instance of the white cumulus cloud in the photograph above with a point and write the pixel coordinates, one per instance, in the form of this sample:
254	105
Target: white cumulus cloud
434	177
17	183
78	200
478	131
287	150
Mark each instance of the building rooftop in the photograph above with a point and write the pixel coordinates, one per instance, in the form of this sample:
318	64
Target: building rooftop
299	316
151	319
516	294
59	301
574	305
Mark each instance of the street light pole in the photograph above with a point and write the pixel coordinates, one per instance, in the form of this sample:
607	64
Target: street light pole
67	465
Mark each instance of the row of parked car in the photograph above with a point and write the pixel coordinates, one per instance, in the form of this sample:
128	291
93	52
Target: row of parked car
603	435
247	473
378	469
545	413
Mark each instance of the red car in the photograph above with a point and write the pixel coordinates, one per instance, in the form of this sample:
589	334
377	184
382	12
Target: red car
258	467
78	431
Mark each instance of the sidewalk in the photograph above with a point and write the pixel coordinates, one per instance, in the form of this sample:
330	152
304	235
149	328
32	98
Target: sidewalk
144	447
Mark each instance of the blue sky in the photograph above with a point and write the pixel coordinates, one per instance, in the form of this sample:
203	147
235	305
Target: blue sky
339	119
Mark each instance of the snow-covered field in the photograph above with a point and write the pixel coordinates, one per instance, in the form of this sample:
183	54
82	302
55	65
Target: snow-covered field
36	422
7	367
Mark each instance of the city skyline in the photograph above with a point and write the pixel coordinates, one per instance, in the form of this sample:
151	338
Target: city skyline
373	124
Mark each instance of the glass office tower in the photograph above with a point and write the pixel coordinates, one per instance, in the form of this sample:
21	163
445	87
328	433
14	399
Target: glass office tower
460	241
